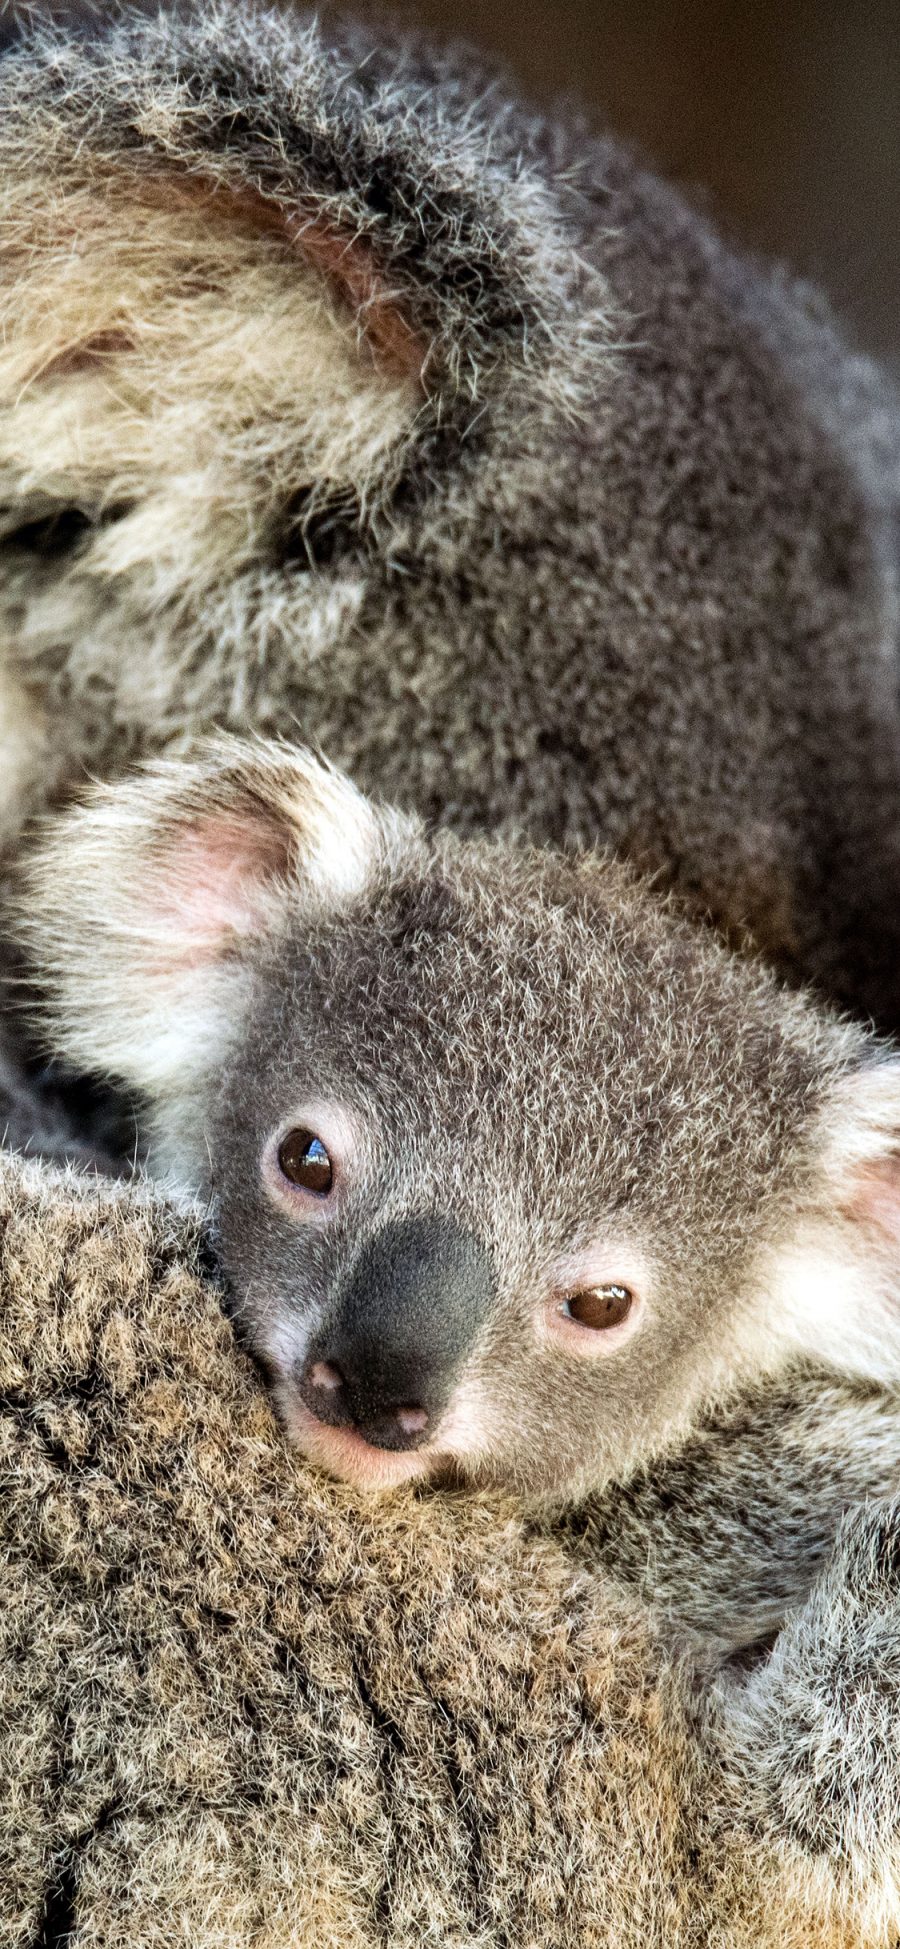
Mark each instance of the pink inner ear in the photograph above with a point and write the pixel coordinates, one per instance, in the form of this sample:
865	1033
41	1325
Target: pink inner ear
351	268
874	1197
348	264
212	882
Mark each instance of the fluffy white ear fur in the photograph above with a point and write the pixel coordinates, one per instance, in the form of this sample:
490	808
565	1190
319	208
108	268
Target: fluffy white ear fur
835	1282
190	357
139	905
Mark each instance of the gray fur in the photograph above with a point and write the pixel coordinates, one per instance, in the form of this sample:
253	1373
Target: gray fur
627	575
241	1705
813	1733
723	478
726	1536
527	1054
630	578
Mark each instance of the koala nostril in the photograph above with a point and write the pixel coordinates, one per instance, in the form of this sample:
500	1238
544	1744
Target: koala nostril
326	1376
411	1421
386	1426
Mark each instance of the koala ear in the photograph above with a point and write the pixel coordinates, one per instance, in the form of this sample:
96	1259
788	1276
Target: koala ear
839	1272
256	282
862	1153
140	907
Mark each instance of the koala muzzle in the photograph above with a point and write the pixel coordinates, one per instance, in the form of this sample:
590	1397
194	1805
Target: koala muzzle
387	1357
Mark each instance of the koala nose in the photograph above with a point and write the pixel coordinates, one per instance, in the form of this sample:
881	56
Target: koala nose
323	1388
405	1318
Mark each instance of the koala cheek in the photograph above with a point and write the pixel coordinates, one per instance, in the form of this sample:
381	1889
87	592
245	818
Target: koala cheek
469	1426
280	1345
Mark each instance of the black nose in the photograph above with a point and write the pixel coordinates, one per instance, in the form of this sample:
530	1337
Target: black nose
388	1424
403	1322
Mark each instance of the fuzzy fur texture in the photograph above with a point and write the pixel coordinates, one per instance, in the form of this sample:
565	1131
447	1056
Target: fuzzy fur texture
340	393
238	1707
529	1051
723	1537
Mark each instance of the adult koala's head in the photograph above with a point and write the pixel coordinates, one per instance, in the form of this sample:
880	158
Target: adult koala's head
293	328
340	389
511	1166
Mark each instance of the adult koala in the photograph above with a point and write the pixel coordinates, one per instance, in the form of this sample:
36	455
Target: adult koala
341	393
240	1705
335	389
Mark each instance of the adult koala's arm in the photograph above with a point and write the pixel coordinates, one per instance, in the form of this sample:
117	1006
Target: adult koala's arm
780	1521
810	1741
727	1534
339	391
239	1702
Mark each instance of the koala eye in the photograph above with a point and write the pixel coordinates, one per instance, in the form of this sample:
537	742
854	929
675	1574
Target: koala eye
304	1161
598	1306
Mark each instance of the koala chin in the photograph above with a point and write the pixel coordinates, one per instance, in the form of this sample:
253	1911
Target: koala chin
514	1170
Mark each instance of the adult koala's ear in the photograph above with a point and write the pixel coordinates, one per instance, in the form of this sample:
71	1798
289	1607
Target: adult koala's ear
141	909
838	1266
254	283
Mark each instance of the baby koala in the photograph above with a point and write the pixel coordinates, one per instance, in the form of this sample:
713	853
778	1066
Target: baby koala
514	1170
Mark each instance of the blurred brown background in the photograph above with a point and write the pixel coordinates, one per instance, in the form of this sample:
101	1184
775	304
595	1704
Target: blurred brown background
788	114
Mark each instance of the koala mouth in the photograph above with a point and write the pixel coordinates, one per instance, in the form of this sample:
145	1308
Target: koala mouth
346	1453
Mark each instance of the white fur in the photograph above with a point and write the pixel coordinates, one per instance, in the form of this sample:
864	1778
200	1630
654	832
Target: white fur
861	1125
834	1304
139	900
165	351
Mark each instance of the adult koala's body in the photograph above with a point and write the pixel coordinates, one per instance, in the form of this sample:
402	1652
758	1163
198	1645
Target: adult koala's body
239	1707
339	393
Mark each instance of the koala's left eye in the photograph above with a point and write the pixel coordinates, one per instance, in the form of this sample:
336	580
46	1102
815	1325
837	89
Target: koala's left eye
598	1306
304	1161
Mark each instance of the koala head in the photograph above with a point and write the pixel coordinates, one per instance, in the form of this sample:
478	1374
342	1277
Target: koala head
511	1166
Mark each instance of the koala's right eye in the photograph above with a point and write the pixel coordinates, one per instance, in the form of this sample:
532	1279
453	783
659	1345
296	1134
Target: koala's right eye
304	1161
598	1307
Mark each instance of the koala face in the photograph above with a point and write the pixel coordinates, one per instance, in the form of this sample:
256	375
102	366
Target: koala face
511	1167
450	1153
